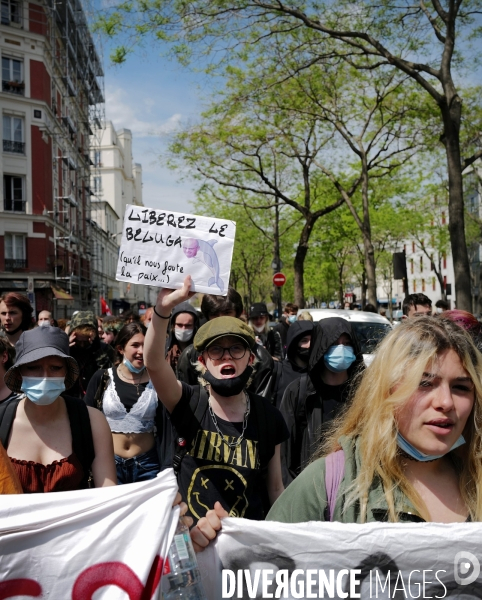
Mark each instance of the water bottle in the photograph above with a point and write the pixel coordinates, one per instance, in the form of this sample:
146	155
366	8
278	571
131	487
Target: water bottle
181	578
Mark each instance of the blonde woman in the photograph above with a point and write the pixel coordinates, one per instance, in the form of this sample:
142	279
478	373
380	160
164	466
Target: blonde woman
411	439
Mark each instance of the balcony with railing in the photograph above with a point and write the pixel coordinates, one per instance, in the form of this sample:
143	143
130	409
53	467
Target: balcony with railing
15	264
13	87
15	147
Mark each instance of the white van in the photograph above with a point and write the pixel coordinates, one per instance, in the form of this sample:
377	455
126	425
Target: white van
369	328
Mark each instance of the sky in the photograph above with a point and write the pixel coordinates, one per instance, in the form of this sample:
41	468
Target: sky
152	97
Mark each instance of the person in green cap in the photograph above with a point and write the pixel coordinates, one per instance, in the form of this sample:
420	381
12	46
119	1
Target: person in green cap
229	449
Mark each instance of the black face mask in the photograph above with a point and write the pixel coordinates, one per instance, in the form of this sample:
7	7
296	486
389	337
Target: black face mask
303	353
229	387
14	331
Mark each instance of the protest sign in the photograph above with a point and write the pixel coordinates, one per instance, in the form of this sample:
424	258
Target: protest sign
333	560
102	544
160	248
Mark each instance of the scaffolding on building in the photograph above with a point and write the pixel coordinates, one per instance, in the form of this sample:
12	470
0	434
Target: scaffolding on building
74	58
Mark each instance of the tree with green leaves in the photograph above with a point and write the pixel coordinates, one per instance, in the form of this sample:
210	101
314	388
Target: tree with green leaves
260	155
378	118
428	41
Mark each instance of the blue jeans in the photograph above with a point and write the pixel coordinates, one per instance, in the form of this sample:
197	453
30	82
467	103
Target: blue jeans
138	468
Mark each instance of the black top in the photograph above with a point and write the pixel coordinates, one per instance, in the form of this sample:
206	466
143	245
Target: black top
127	392
309	404
212	471
288	370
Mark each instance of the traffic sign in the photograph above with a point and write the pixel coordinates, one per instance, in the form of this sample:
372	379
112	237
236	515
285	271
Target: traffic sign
279	279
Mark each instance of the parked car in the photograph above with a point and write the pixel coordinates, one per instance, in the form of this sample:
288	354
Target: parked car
397	317
369	328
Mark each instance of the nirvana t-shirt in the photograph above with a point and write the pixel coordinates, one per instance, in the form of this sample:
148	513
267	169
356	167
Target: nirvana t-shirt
211	470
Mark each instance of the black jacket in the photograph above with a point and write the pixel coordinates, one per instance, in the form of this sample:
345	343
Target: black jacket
272	342
288	370
262	377
282	329
308	404
90	360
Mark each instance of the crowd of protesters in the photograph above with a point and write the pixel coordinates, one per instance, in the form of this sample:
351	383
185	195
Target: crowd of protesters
251	417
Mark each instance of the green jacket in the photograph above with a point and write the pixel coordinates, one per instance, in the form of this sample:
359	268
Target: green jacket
305	498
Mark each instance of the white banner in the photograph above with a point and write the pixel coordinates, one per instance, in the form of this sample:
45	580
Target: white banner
160	248
101	544
333	560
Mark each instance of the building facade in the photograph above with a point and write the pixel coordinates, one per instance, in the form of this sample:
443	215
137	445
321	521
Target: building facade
52	105
118	182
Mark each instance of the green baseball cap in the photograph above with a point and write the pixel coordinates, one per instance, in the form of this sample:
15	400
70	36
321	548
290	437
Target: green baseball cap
222	327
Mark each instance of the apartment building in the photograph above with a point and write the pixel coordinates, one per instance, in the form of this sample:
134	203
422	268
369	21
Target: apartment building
473	203
421	272
118	182
52	106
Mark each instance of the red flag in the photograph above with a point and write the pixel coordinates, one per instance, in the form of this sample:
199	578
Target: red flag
104	307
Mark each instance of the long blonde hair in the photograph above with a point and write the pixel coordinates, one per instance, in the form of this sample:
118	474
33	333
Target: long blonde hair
384	389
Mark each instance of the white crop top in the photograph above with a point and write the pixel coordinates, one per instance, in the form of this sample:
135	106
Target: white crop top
141	417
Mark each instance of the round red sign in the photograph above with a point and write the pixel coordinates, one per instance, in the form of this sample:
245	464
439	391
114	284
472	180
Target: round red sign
279	279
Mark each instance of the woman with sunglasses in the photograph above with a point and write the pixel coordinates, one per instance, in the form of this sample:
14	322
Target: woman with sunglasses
230	448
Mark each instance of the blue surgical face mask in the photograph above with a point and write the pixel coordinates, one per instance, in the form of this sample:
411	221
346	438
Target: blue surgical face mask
339	358
43	390
420	456
131	367
292	318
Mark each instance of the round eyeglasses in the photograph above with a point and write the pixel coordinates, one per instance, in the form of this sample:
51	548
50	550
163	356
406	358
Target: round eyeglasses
236	351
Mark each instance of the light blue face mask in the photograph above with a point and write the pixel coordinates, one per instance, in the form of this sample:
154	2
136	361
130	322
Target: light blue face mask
420	456
339	358
131	367
43	390
292	318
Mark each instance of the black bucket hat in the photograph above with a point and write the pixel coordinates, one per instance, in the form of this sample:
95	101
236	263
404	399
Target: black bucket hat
258	309
37	343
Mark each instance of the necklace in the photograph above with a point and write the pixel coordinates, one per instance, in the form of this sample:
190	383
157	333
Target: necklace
132	382
404	454
245	424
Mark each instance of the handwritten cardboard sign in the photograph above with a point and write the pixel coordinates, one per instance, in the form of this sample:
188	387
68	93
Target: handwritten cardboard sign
160	248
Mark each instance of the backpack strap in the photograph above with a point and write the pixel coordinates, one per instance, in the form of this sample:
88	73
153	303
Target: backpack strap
334	471
265	430
99	394
82	441
301	414
8	410
198	404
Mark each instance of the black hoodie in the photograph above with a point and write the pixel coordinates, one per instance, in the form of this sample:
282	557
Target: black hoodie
288	370
308	403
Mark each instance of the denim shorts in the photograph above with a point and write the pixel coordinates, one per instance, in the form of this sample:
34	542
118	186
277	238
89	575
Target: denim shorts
138	468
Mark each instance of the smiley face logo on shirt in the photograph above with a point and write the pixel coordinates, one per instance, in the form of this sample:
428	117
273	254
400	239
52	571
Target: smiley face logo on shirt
221	481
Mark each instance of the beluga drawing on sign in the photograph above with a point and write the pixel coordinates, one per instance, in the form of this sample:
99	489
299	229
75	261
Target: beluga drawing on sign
192	247
160	248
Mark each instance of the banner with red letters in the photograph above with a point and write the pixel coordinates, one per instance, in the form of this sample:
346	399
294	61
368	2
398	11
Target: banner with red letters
100	544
